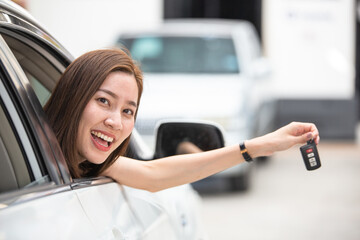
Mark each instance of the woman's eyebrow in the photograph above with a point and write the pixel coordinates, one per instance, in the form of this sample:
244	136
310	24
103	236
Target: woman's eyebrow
132	103
108	92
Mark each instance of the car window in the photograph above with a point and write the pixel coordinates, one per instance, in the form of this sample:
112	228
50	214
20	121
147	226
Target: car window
183	54
41	73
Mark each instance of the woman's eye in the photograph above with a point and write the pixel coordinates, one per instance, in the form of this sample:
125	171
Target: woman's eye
129	112
103	100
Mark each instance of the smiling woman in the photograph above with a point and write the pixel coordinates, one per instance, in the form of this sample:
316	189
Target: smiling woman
87	103
93	109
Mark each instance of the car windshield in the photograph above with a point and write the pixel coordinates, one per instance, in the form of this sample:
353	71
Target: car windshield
183	54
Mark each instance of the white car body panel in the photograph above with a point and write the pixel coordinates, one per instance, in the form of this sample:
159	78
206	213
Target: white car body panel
176	200
107	211
39	219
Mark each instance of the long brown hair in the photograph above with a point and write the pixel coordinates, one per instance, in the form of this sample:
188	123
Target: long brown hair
80	81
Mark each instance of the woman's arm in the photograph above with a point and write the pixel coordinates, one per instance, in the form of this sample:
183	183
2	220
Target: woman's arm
176	170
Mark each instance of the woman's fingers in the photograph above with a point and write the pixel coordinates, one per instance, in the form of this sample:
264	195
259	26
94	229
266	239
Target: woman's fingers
305	131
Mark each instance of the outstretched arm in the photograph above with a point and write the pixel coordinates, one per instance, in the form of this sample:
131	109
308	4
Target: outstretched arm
176	170
283	139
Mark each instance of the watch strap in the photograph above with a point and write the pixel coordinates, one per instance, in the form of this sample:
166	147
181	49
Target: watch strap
245	153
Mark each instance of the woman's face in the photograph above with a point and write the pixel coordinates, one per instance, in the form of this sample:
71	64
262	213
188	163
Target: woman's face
108	118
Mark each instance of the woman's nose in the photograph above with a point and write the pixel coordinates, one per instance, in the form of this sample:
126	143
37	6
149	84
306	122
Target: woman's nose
114	121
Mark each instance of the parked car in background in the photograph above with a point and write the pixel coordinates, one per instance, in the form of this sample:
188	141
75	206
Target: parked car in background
38	197
200	69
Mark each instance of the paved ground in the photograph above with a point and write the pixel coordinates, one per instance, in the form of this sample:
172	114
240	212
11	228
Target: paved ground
287	202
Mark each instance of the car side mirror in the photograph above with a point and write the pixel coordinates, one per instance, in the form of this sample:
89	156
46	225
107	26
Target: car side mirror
205	135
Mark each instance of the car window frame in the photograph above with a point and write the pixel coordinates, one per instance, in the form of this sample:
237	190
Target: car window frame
23	118
28	105
40	134
27	31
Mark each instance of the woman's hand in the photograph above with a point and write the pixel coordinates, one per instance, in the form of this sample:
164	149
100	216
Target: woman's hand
282	139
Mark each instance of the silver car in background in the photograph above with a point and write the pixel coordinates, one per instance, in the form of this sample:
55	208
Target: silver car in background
200	69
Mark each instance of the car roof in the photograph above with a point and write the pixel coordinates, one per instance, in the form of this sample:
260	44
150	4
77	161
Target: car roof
194	27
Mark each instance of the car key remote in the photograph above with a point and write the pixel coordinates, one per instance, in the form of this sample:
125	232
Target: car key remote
310	155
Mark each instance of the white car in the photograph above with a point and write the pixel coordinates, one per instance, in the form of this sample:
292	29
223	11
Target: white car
200	69
38	197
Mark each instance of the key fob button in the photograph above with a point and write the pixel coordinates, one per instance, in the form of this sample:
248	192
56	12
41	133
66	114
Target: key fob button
312	164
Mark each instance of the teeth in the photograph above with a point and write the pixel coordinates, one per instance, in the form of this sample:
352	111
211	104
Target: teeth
102	136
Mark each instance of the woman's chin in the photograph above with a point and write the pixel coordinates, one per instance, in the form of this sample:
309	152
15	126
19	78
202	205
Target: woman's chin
98	160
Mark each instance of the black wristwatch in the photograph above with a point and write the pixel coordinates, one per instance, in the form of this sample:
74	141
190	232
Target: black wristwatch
245	153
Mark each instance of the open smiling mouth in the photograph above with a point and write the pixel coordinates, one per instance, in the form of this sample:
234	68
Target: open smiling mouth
101	141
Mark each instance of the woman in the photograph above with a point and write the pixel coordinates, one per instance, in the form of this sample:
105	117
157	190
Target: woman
93	110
